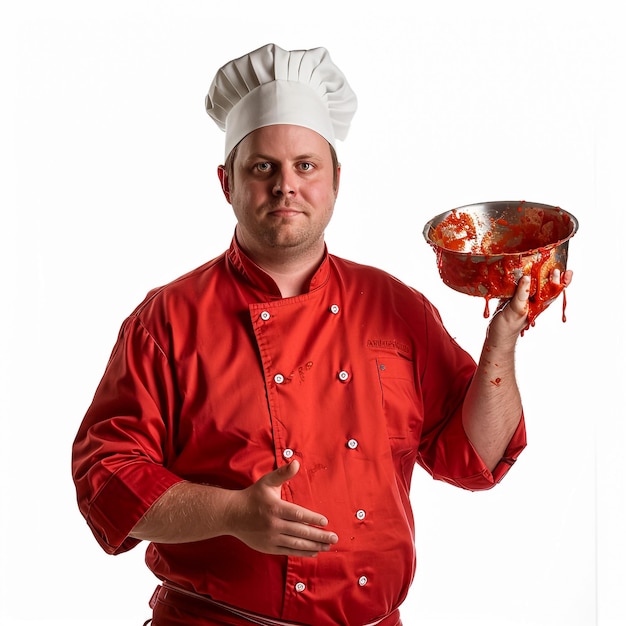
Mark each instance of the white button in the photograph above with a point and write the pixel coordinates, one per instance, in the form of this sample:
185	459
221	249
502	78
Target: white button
360	514
265	316
363	581
353	444
334	309
279	379
300	587
287	453
343	375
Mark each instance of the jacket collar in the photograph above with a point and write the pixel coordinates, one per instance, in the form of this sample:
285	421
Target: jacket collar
252	273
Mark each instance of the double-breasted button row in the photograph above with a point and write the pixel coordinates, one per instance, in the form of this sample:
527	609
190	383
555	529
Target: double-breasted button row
266	315
300	586
351	444
343	376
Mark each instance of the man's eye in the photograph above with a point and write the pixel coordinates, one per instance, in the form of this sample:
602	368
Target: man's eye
306	166
264	167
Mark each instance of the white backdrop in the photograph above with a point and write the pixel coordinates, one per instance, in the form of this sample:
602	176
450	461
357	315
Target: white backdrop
109	189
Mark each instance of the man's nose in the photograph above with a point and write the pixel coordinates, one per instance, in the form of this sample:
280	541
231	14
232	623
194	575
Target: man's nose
285	183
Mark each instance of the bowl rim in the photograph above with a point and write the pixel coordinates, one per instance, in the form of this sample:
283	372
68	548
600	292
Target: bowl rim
441	216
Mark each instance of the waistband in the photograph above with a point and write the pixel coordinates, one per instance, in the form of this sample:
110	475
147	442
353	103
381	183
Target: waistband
168	592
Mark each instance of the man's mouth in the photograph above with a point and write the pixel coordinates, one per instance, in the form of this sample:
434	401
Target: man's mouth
284	211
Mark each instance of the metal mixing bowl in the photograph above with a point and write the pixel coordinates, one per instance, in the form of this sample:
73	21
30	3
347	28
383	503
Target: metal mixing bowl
484	249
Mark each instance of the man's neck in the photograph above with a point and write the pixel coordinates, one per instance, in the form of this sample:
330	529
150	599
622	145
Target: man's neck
290	268
292	276
290	273
292	283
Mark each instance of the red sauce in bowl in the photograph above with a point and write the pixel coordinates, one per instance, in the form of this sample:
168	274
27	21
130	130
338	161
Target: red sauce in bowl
486	254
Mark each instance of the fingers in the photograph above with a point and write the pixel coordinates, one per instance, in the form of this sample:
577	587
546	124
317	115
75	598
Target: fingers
297	537
298	516
519	302
294	546
567	277
305	516
564	279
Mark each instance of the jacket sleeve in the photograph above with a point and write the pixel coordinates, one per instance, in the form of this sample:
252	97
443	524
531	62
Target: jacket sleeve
445	450
120	453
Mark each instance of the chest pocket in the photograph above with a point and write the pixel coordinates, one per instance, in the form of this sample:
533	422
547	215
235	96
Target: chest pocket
400	401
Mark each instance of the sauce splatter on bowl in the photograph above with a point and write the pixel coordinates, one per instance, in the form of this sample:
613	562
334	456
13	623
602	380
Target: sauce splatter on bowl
484	249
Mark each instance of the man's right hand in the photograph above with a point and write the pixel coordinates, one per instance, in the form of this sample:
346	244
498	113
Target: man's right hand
260	518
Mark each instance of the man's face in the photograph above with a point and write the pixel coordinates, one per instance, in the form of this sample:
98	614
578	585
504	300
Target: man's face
282	190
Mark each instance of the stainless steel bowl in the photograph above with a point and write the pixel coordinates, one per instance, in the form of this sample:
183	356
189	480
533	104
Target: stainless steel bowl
484	249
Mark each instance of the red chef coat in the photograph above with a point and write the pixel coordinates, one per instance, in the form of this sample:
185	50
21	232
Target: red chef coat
215	378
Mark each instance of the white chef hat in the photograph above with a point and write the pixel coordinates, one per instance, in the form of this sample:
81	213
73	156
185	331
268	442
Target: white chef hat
275	86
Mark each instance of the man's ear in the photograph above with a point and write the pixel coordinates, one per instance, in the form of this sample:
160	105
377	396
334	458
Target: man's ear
223	176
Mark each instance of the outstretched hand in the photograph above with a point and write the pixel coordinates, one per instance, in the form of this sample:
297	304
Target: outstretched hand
260	518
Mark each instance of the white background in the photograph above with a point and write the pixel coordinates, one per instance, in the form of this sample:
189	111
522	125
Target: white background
109	189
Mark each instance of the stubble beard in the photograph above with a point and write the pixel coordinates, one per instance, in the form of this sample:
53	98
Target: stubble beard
291	238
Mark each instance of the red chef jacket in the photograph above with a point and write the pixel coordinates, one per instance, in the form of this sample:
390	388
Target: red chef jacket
215	378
